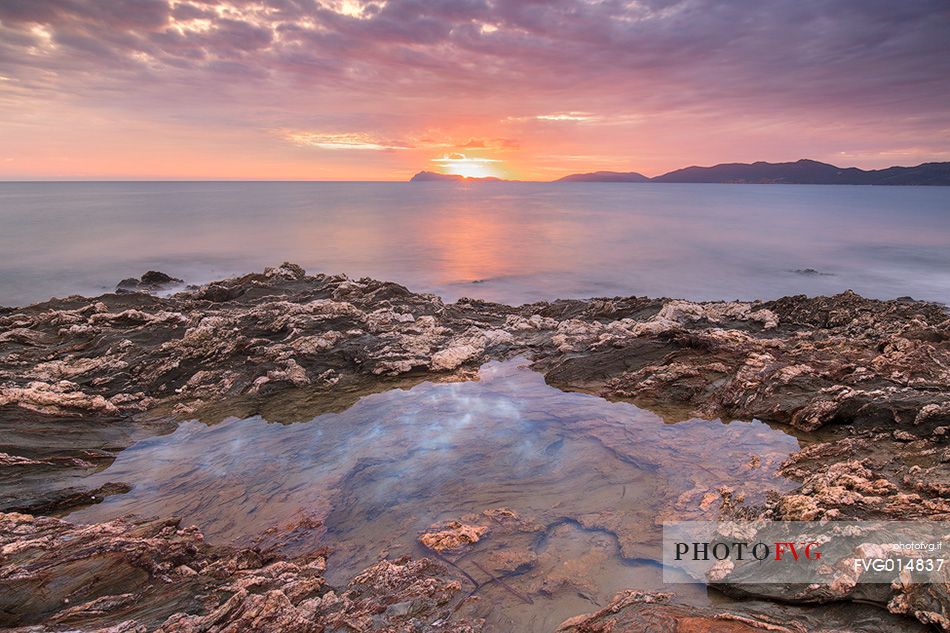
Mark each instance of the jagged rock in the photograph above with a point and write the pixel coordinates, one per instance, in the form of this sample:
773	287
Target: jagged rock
137	575
644	612
247	342
453	535
868	477
807	362
152	281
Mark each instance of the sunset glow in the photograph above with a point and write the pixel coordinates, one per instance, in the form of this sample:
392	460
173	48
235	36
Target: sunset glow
473	316
470	167
378	90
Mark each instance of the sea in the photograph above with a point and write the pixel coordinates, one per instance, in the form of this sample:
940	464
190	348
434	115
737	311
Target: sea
508	242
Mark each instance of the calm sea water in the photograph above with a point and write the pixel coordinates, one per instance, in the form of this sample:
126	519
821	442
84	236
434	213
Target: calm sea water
510	242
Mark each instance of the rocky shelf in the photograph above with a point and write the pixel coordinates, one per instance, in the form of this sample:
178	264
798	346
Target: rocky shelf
866	381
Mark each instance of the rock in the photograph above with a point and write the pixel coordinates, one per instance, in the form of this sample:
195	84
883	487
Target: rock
286	271
218	293
870	476
933	413
247	343
452	536
140	573
155	278
452	357
64	499
811	272
644	612
63	397
152	281
809	362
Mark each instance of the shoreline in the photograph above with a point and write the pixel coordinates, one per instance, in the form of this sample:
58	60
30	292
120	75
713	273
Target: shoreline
873	376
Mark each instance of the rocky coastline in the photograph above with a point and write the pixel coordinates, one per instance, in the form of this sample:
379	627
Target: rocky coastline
867	382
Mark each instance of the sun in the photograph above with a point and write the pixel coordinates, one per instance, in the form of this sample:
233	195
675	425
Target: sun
469	166
471	170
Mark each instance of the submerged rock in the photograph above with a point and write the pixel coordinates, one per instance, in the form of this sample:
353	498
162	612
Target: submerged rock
811	272
451	536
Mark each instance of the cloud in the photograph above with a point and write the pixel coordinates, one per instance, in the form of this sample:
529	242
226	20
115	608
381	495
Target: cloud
357	141
462	158
863	75
579	117
470	166
355	8
660	52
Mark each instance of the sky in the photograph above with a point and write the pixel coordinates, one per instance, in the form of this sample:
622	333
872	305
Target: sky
521	89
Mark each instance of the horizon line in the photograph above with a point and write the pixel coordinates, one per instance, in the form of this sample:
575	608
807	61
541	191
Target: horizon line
465	179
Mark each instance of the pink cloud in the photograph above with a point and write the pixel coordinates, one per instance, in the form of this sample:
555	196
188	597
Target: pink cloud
656	84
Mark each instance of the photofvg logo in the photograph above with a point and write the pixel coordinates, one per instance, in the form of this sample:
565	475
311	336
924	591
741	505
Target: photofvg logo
816	553
787	551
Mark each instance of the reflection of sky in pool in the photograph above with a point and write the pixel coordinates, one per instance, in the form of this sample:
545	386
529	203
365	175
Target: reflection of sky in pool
395	463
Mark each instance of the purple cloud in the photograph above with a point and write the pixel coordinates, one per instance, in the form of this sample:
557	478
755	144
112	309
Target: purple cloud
394	68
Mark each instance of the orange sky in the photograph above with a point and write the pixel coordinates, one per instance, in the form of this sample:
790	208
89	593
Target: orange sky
353	90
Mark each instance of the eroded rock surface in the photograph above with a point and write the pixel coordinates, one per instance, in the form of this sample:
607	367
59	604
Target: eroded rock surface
152	281
642	612
806	362
877	373
154	575
874	475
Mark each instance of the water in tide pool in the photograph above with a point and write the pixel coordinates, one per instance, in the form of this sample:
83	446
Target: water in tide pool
508	242
572	488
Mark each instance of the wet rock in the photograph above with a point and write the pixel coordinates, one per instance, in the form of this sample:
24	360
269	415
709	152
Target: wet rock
868	476
643	612
152	281
48	566
153	575
286	270
876	476
45	456
808	362
452	536
928	603
65	499
453	357
217	293
250	343
811	272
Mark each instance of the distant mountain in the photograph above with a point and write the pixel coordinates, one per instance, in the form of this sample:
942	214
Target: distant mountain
431	176
802	172
810	172
605	176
